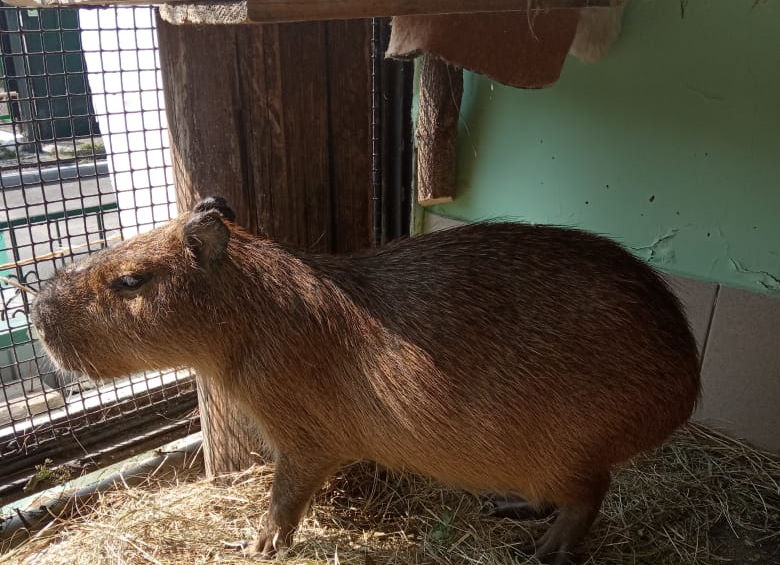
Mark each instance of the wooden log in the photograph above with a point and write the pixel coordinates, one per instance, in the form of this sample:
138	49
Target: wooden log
276	119
441	90
270	11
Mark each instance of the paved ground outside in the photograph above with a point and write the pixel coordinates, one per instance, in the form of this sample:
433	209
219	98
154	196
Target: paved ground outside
36	221
39	219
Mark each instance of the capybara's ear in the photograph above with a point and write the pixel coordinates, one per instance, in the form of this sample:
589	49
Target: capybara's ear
206	236
216	203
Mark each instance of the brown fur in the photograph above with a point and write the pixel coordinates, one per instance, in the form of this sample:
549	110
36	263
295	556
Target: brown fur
503	358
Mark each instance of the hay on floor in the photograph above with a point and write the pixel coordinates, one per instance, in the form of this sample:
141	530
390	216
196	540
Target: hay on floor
700	499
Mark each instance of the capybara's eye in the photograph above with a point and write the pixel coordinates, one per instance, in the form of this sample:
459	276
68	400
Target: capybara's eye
130	282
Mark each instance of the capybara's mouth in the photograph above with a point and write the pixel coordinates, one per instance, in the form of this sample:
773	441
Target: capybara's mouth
67	364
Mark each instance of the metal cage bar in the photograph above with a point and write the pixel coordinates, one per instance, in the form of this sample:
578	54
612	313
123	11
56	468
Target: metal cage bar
84	163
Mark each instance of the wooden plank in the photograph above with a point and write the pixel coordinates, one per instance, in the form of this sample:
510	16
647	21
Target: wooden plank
301	10
264	134
349	111
270	11
304	219
200	81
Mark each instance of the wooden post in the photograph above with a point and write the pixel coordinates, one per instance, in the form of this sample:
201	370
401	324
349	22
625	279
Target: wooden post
275	118
441	90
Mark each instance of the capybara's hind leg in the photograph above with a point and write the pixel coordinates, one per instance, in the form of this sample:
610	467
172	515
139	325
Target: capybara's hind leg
295	483
516	508
576	513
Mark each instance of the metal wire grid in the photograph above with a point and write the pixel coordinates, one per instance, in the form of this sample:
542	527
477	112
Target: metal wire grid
83	162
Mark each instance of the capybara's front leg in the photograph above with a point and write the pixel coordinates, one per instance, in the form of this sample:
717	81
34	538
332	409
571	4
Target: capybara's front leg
295	483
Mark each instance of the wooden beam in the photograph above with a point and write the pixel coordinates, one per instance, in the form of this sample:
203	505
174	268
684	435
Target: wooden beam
300	10
274	11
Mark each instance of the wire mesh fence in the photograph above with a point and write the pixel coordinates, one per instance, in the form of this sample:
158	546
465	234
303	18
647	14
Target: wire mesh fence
84	162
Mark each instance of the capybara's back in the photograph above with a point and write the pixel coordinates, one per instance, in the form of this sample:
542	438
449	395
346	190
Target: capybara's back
504	358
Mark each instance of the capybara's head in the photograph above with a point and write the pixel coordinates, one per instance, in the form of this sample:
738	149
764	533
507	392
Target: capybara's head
130	308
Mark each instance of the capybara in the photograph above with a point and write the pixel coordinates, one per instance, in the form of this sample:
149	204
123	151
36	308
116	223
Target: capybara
508	358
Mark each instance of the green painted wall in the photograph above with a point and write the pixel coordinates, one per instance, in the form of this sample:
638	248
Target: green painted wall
670	145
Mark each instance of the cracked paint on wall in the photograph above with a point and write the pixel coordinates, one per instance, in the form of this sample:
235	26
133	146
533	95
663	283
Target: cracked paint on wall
763	278
661	250
670	145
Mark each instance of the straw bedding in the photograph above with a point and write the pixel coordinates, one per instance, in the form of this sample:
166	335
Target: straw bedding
700	499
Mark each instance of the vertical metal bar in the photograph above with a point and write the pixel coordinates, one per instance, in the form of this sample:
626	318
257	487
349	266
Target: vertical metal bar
394	140
55	212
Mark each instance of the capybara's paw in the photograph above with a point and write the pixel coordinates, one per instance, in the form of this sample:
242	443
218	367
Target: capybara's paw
261	548
266	546
558	558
